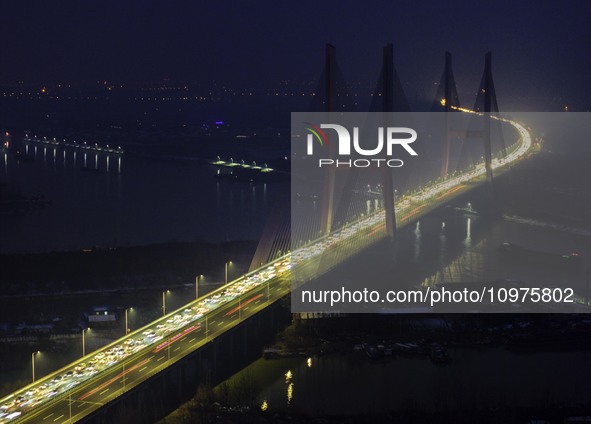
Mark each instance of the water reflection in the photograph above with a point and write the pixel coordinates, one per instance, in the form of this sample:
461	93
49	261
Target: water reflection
151	202
289	393
468	240
442	245
65	152
417	244
480	258
515	379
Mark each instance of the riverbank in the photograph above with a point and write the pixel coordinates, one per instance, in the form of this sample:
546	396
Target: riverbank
498	415
54	292
107	268
65	286
492	376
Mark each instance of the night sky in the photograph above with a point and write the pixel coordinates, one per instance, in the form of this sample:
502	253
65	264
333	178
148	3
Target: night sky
541	49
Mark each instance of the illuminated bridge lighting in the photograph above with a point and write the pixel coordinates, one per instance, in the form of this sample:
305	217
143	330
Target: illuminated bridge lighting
103	375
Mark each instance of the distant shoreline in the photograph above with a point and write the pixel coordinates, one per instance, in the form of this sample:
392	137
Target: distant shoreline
115	268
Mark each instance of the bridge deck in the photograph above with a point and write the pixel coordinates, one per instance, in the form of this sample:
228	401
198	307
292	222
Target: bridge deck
84	386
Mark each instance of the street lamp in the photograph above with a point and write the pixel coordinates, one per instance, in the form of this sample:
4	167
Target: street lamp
197	286
226	269
84	330
164	301
33	363
126	325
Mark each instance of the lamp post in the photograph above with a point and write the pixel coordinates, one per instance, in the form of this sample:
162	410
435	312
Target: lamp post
164	301
33	364
226	269
197	286
126	321
84	342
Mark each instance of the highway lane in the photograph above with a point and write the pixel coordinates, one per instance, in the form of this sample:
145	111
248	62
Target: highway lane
88	396
84	399
162	330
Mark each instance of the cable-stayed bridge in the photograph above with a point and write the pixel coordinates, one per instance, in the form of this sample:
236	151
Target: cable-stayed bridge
80	390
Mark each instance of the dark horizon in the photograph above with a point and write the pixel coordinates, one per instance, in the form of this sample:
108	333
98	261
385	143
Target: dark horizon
536	47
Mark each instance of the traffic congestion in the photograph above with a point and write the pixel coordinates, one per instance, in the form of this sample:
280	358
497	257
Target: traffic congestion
168	329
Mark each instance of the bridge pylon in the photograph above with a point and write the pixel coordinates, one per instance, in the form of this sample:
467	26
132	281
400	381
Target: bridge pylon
327	209
446	99
393	100
487	88
486	103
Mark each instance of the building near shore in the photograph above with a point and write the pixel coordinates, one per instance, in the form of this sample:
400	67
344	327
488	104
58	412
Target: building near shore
101	316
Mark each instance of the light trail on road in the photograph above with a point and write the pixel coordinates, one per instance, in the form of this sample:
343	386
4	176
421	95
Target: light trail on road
80	388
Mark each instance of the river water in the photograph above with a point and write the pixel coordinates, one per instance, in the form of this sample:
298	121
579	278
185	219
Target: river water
476	378
134	201
131	201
